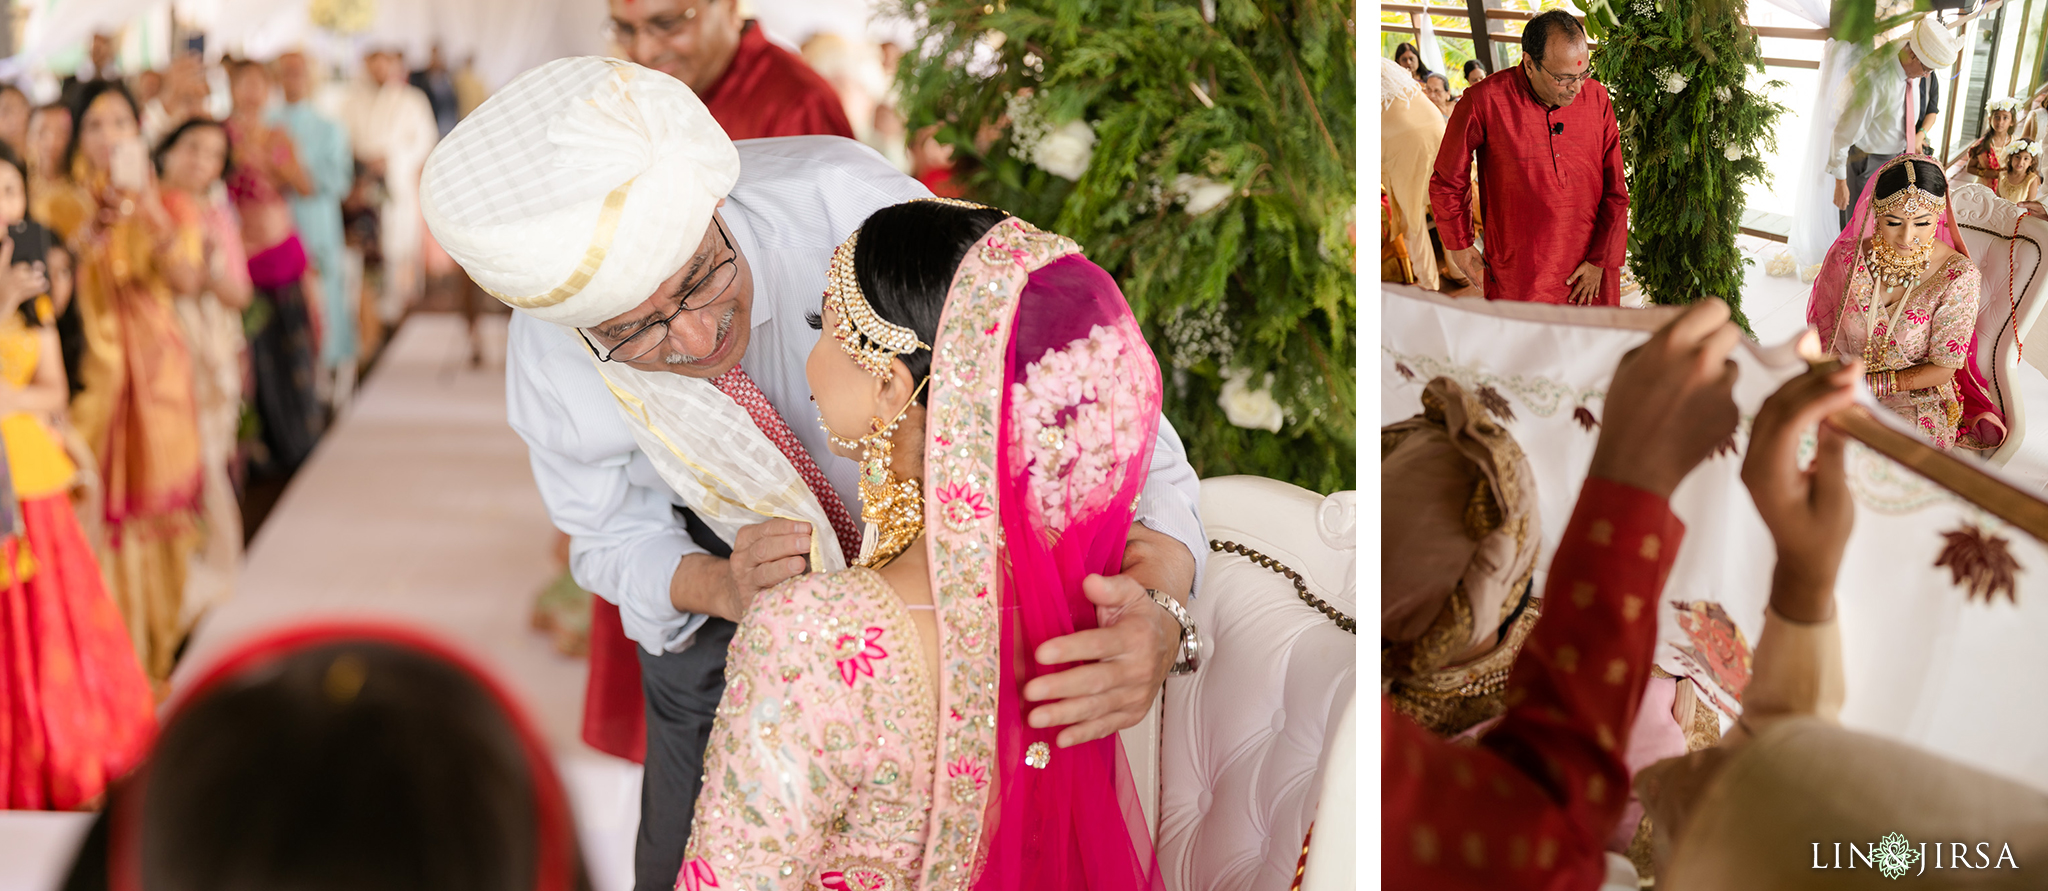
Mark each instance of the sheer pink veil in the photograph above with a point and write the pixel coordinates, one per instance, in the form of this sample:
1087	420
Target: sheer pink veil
1057	418
1824	306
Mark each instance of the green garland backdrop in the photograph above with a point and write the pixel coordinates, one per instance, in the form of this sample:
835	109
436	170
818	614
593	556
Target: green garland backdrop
1692	137
1202	152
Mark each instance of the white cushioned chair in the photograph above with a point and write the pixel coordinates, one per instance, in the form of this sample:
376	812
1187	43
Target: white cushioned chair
2008	252
1244	758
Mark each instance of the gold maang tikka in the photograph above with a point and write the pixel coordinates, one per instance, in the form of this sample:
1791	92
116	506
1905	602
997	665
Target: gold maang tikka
892	509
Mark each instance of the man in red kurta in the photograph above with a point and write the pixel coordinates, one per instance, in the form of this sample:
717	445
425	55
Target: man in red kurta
755	90
1531	806
1550	176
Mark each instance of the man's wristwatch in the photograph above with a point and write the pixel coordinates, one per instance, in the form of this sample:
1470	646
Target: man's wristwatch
1190	655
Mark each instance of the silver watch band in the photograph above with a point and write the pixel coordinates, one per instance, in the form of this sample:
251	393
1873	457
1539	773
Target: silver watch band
1189	657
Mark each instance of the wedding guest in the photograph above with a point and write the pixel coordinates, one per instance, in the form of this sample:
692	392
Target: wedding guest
439	85
284	351
79	711
136	409
1984	158
14	114
1407	56
1877	115
392	126
340	756
1411	132
189	164
99	67
323	150
1474	72
1438	88
1551	183
2019	175
754	88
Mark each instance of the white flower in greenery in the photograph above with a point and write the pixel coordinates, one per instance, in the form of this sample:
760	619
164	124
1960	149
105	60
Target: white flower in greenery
1249	408
1673	81
1733	153
1065	152
1723	94
1644	8
1201	193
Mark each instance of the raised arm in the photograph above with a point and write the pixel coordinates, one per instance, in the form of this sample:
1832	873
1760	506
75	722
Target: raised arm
1546	786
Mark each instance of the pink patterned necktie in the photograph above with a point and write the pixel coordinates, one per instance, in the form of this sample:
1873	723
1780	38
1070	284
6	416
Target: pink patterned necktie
740	387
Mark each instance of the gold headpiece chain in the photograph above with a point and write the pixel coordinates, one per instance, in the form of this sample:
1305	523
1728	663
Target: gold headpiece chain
870	339
1910	201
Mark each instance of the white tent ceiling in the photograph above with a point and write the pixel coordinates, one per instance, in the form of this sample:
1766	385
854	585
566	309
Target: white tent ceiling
506	36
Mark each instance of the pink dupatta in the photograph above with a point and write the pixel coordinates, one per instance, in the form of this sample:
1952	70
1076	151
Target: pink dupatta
1044	404
1981	417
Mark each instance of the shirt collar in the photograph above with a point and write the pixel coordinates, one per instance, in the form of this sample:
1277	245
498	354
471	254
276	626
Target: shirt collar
742	232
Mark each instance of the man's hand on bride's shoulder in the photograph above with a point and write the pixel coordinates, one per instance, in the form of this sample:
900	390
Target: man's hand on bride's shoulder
764	555
1127	657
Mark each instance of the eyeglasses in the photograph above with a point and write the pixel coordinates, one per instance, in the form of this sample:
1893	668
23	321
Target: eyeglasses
661	28
1565	80
701	294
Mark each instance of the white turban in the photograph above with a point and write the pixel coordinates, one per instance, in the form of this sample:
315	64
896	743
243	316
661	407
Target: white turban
1933	44
574	192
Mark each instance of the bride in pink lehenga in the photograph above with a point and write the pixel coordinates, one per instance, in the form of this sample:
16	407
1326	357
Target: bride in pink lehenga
872	736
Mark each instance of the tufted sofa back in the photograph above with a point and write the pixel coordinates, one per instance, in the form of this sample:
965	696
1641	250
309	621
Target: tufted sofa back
1246	741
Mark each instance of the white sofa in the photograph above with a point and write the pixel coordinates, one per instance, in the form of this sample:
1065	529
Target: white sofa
2008	251
1260	742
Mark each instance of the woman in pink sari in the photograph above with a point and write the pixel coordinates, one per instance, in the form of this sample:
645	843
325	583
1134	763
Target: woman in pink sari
1001	400
1898	291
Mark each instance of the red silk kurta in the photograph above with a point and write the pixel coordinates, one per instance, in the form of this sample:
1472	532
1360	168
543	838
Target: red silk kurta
767	91
1532	805
1550	187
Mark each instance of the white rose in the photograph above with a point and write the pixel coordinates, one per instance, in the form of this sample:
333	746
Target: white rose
1065	152
1249	408
1201	193
1675	82
1733	153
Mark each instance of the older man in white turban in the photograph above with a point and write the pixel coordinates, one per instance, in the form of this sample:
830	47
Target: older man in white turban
662	275
1879	110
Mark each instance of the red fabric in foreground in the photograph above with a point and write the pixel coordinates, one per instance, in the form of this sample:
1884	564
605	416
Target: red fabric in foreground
1531	806
614	709
76	710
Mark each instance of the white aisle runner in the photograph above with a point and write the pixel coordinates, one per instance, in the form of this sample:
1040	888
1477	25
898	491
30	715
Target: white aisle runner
418	507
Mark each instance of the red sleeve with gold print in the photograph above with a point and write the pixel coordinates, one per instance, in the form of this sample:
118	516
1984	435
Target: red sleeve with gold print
1532	805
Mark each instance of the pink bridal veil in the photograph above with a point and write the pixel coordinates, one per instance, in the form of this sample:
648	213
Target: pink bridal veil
1039	432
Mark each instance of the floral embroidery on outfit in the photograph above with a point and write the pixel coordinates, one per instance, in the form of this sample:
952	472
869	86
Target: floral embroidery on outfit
1934	326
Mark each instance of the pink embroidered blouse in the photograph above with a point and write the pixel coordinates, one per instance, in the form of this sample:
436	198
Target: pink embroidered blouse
820	769
1934	324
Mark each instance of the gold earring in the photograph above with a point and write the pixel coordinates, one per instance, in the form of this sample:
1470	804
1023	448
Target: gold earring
892	508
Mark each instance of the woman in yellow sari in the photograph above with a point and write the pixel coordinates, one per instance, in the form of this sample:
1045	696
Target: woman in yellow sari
137	410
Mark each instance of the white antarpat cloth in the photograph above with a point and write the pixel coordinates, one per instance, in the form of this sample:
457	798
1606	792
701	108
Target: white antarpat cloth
1923	664
580	187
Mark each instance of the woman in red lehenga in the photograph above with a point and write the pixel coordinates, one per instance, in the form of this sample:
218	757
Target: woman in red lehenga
75	706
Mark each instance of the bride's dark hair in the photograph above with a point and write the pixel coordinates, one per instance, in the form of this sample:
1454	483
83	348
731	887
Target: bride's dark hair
1927	177
905	261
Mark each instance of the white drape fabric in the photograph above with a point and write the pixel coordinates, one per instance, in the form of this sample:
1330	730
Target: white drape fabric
1817	222
709	450
1924	664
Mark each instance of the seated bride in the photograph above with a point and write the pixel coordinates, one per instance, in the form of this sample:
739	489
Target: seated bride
1001	401
1898	291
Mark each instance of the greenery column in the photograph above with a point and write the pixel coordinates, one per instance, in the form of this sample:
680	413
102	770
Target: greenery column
1692	138
1202	152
